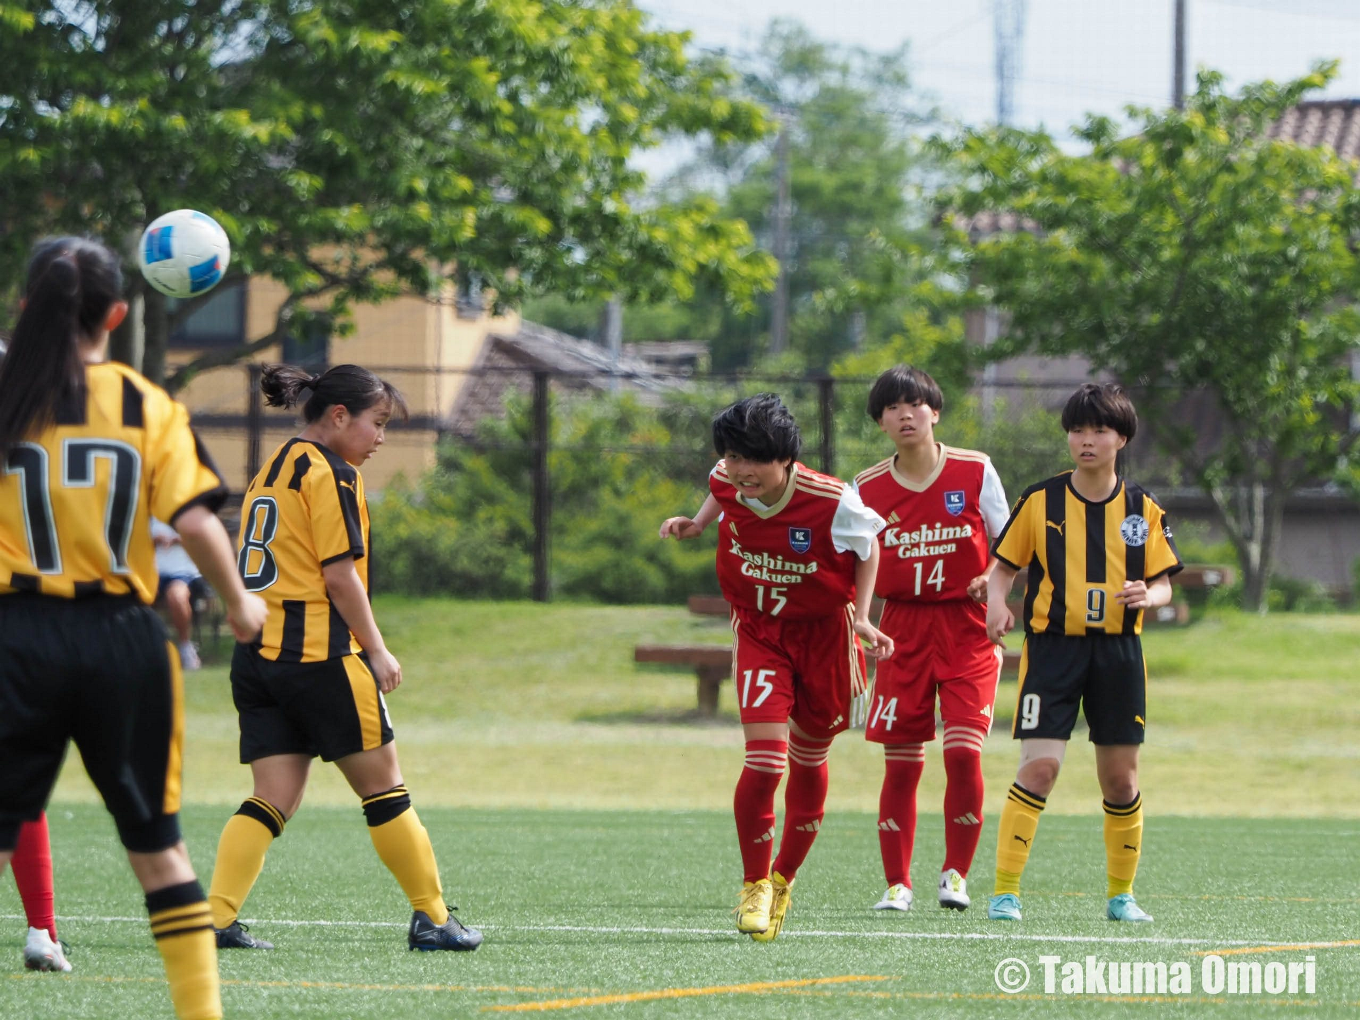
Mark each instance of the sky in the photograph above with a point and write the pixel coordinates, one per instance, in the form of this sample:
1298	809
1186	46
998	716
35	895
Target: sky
1078	56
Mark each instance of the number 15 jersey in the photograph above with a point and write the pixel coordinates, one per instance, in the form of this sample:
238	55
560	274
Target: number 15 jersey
795	559
936	538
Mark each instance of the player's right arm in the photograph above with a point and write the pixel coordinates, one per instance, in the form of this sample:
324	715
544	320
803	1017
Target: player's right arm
1000	620
691	527
348	596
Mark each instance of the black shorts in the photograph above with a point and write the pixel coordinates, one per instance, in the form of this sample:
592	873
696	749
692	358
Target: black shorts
328	709
1106	673
100	672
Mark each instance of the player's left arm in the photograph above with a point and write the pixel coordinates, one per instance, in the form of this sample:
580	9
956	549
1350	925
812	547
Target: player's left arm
995	513
855	529
1162	560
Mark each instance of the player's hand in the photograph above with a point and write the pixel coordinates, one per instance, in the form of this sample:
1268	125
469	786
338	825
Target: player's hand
680	527
246	618
977	588
386	670
880	645
1134	595
1000	620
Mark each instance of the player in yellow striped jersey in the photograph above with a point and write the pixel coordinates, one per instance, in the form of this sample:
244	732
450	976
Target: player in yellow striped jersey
89	450
1099	552
313	685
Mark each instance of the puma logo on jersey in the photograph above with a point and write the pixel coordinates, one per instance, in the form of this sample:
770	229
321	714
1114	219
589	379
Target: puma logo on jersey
348	485
1022	839
1133	848
1139	720
1057	527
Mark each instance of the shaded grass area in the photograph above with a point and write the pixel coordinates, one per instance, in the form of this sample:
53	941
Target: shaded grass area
578	905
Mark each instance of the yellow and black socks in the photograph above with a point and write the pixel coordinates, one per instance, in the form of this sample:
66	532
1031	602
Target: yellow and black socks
1123	843
404	846
240	857
1014	834
183	930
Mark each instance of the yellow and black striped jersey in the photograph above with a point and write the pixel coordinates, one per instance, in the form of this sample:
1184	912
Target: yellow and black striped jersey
76	500
1080	553
304	511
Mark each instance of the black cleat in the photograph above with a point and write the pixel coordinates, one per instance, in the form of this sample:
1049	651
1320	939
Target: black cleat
237	936
427	936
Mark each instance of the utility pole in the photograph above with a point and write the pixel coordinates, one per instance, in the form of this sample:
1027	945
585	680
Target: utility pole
612	328
1178	57
783	214
1008	21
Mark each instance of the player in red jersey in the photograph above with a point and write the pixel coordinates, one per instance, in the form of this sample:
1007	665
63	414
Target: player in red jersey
941	504
794	548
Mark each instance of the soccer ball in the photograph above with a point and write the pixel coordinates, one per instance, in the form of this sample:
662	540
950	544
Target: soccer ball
184	253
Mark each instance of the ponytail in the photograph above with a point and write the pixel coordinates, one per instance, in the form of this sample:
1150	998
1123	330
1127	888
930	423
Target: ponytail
357	389
71	284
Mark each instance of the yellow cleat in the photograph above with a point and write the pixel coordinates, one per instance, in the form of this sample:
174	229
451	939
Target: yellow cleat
779	908
753	910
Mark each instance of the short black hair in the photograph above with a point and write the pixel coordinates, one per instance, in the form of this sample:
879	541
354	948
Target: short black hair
759	428
1096	404
903	384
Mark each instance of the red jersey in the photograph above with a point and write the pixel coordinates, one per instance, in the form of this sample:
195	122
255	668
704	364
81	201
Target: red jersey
796	559
936	538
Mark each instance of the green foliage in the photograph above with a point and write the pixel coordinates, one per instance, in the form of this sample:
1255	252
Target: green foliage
467	528
356	149
1196	254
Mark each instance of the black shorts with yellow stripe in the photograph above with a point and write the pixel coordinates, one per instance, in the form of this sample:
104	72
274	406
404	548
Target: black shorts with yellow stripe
1104	673
327	709
98	671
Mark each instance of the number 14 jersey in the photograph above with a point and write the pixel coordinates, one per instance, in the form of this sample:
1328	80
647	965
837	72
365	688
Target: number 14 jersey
936	538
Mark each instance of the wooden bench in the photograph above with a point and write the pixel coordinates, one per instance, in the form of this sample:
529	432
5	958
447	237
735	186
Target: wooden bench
712	665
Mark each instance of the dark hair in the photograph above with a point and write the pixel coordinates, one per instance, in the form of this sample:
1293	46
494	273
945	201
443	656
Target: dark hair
759	428
1106	405
903	384
357	389
72	282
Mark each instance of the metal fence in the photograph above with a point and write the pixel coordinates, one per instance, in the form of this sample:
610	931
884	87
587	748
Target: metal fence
1015	421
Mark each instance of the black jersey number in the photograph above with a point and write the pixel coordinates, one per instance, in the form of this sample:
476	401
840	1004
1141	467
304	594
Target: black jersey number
30	462
255	562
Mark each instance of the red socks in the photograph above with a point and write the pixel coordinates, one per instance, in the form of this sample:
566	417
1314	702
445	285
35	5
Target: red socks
903	764
962	796
32	864
804	802
753	805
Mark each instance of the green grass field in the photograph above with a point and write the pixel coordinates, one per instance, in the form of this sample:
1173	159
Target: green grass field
585	827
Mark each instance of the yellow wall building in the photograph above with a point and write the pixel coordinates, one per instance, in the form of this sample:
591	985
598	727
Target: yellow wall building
423	347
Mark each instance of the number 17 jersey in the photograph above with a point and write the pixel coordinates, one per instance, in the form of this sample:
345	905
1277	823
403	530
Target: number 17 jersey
936	538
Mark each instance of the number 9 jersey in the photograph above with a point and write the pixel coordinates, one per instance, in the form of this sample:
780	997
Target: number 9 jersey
936	538
76	499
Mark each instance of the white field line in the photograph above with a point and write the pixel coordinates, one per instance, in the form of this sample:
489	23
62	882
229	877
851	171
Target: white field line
815	934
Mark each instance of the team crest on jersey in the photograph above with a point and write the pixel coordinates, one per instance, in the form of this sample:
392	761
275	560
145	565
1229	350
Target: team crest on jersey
953	502
1134	529
800	539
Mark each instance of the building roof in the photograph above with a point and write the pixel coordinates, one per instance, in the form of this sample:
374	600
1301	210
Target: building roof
1330	122
507	362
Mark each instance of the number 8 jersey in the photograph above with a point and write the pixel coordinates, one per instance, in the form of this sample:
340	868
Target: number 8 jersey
936	538
304	511
76	499
796	559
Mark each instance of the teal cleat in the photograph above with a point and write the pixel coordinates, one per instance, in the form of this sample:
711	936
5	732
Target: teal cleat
1005	907
1123	908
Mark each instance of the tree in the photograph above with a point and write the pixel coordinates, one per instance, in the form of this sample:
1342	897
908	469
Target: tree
358	149
1195	256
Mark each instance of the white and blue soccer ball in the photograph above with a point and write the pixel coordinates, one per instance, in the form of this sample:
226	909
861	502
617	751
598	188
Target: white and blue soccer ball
184	253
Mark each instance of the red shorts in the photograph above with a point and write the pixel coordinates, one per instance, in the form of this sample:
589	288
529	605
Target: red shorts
939	646
806	671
